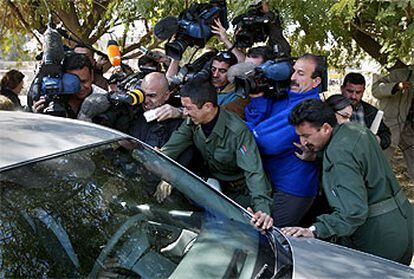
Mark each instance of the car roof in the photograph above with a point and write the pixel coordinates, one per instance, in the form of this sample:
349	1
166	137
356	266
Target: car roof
27	137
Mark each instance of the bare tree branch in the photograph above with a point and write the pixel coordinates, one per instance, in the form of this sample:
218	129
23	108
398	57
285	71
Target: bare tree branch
372	47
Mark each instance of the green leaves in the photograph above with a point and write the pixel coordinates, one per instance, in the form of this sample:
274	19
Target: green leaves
319	26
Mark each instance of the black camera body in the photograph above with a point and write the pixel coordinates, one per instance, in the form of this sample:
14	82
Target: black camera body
272	78
50	81
199	69
191	28
123	103
252	26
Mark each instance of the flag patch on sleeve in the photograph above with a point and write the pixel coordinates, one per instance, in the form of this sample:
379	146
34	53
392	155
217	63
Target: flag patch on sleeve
243	149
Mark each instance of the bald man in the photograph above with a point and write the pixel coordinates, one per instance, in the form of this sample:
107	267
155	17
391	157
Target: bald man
168	118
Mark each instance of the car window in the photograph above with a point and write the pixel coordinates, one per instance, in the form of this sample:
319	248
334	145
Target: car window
94	213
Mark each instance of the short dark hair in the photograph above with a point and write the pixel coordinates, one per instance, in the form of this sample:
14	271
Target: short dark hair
12	79
145	60
338	102
227	57
320	67
313	111
76	61
354	78
264	51
200	92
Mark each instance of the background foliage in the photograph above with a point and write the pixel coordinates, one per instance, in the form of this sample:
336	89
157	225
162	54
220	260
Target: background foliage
345	30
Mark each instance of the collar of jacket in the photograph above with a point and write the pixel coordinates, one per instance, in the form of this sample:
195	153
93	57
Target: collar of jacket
369	109
303	95
335	130
220	126
230	87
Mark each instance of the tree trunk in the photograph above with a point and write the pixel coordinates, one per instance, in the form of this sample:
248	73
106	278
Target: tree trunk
372	47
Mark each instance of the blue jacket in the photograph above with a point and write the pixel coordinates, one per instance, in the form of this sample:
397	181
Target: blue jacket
268	121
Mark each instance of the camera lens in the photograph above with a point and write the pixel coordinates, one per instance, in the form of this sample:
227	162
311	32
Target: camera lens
176	49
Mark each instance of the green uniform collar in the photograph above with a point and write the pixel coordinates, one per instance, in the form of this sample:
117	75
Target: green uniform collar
220	126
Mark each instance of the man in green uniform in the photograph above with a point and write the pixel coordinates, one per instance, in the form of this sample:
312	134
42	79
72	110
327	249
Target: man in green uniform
226	145
370	211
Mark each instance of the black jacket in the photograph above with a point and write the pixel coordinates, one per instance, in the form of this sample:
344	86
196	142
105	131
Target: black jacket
157	133
153	133
384	132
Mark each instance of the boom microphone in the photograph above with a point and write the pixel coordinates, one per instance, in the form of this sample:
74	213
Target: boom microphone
53	52
114	54
93	105
240	70
52	47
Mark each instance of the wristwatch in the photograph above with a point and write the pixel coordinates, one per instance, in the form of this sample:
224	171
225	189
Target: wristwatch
181	111
313	230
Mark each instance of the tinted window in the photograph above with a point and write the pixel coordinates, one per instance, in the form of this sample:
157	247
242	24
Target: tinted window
93	213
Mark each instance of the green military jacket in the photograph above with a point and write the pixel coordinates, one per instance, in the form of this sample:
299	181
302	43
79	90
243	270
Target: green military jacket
230	153
359	185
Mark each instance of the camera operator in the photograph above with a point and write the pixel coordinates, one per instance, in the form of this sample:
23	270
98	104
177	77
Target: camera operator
259	55
220	64
295	182
98	78
258	24
81	66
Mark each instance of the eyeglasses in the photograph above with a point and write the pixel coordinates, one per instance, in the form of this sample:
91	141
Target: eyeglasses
344	115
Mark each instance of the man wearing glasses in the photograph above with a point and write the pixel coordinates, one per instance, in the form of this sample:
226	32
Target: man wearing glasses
353	88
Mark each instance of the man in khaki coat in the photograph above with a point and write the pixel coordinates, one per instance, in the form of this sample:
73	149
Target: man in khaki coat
396	94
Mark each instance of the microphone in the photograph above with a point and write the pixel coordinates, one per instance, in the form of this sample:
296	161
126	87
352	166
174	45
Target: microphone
240	70
93	105
114	53
53	52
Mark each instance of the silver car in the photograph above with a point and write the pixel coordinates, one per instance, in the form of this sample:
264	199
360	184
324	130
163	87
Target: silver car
77	200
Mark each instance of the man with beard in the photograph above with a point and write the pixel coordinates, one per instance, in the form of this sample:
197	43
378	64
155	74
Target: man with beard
353	88
295	182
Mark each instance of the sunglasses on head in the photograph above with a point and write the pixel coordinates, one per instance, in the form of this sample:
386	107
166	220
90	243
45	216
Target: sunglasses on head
224	55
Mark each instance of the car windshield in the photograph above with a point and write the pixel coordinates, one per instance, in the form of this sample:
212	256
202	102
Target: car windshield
93	213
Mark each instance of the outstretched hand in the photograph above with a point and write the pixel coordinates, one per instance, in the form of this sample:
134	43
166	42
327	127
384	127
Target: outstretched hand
298	232
261	220
220	31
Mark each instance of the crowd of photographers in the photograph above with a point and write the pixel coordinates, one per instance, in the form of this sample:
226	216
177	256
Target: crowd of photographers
250	121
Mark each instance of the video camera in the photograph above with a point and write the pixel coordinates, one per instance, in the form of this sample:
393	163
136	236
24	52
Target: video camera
123	103
191	28
272	78
199	69
50	81
252	26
